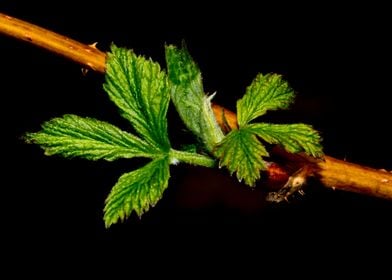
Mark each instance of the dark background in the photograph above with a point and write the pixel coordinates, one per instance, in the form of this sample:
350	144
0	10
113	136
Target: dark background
337	59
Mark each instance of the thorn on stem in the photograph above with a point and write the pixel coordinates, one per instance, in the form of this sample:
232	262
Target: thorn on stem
93	45
84	71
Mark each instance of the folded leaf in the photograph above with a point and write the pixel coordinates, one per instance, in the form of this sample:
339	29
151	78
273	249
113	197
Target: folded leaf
73	136
293	137
140	89
241	152
267	92
137	191
193	106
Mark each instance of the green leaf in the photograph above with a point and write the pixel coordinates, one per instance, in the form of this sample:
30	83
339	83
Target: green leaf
267	92
73	136
187	94
140	89
293	137
241	152
137	191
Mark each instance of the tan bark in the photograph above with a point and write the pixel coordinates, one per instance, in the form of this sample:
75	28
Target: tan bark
333	173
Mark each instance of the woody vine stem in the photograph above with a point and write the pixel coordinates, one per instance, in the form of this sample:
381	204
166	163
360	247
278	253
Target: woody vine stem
332	173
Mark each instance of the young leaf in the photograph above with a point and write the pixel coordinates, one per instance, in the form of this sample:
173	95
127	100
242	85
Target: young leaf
187	94
293	137
267	92
241	152
140	89
73	136
137	191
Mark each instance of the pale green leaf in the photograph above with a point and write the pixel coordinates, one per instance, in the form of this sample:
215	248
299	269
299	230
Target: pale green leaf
137	191
293	137
73	136
188	96
267	92
241	152
140	89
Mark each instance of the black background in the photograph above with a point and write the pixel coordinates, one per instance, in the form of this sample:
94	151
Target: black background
337	59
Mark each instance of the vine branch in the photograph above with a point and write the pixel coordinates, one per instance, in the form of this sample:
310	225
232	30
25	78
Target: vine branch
331	172
86	55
